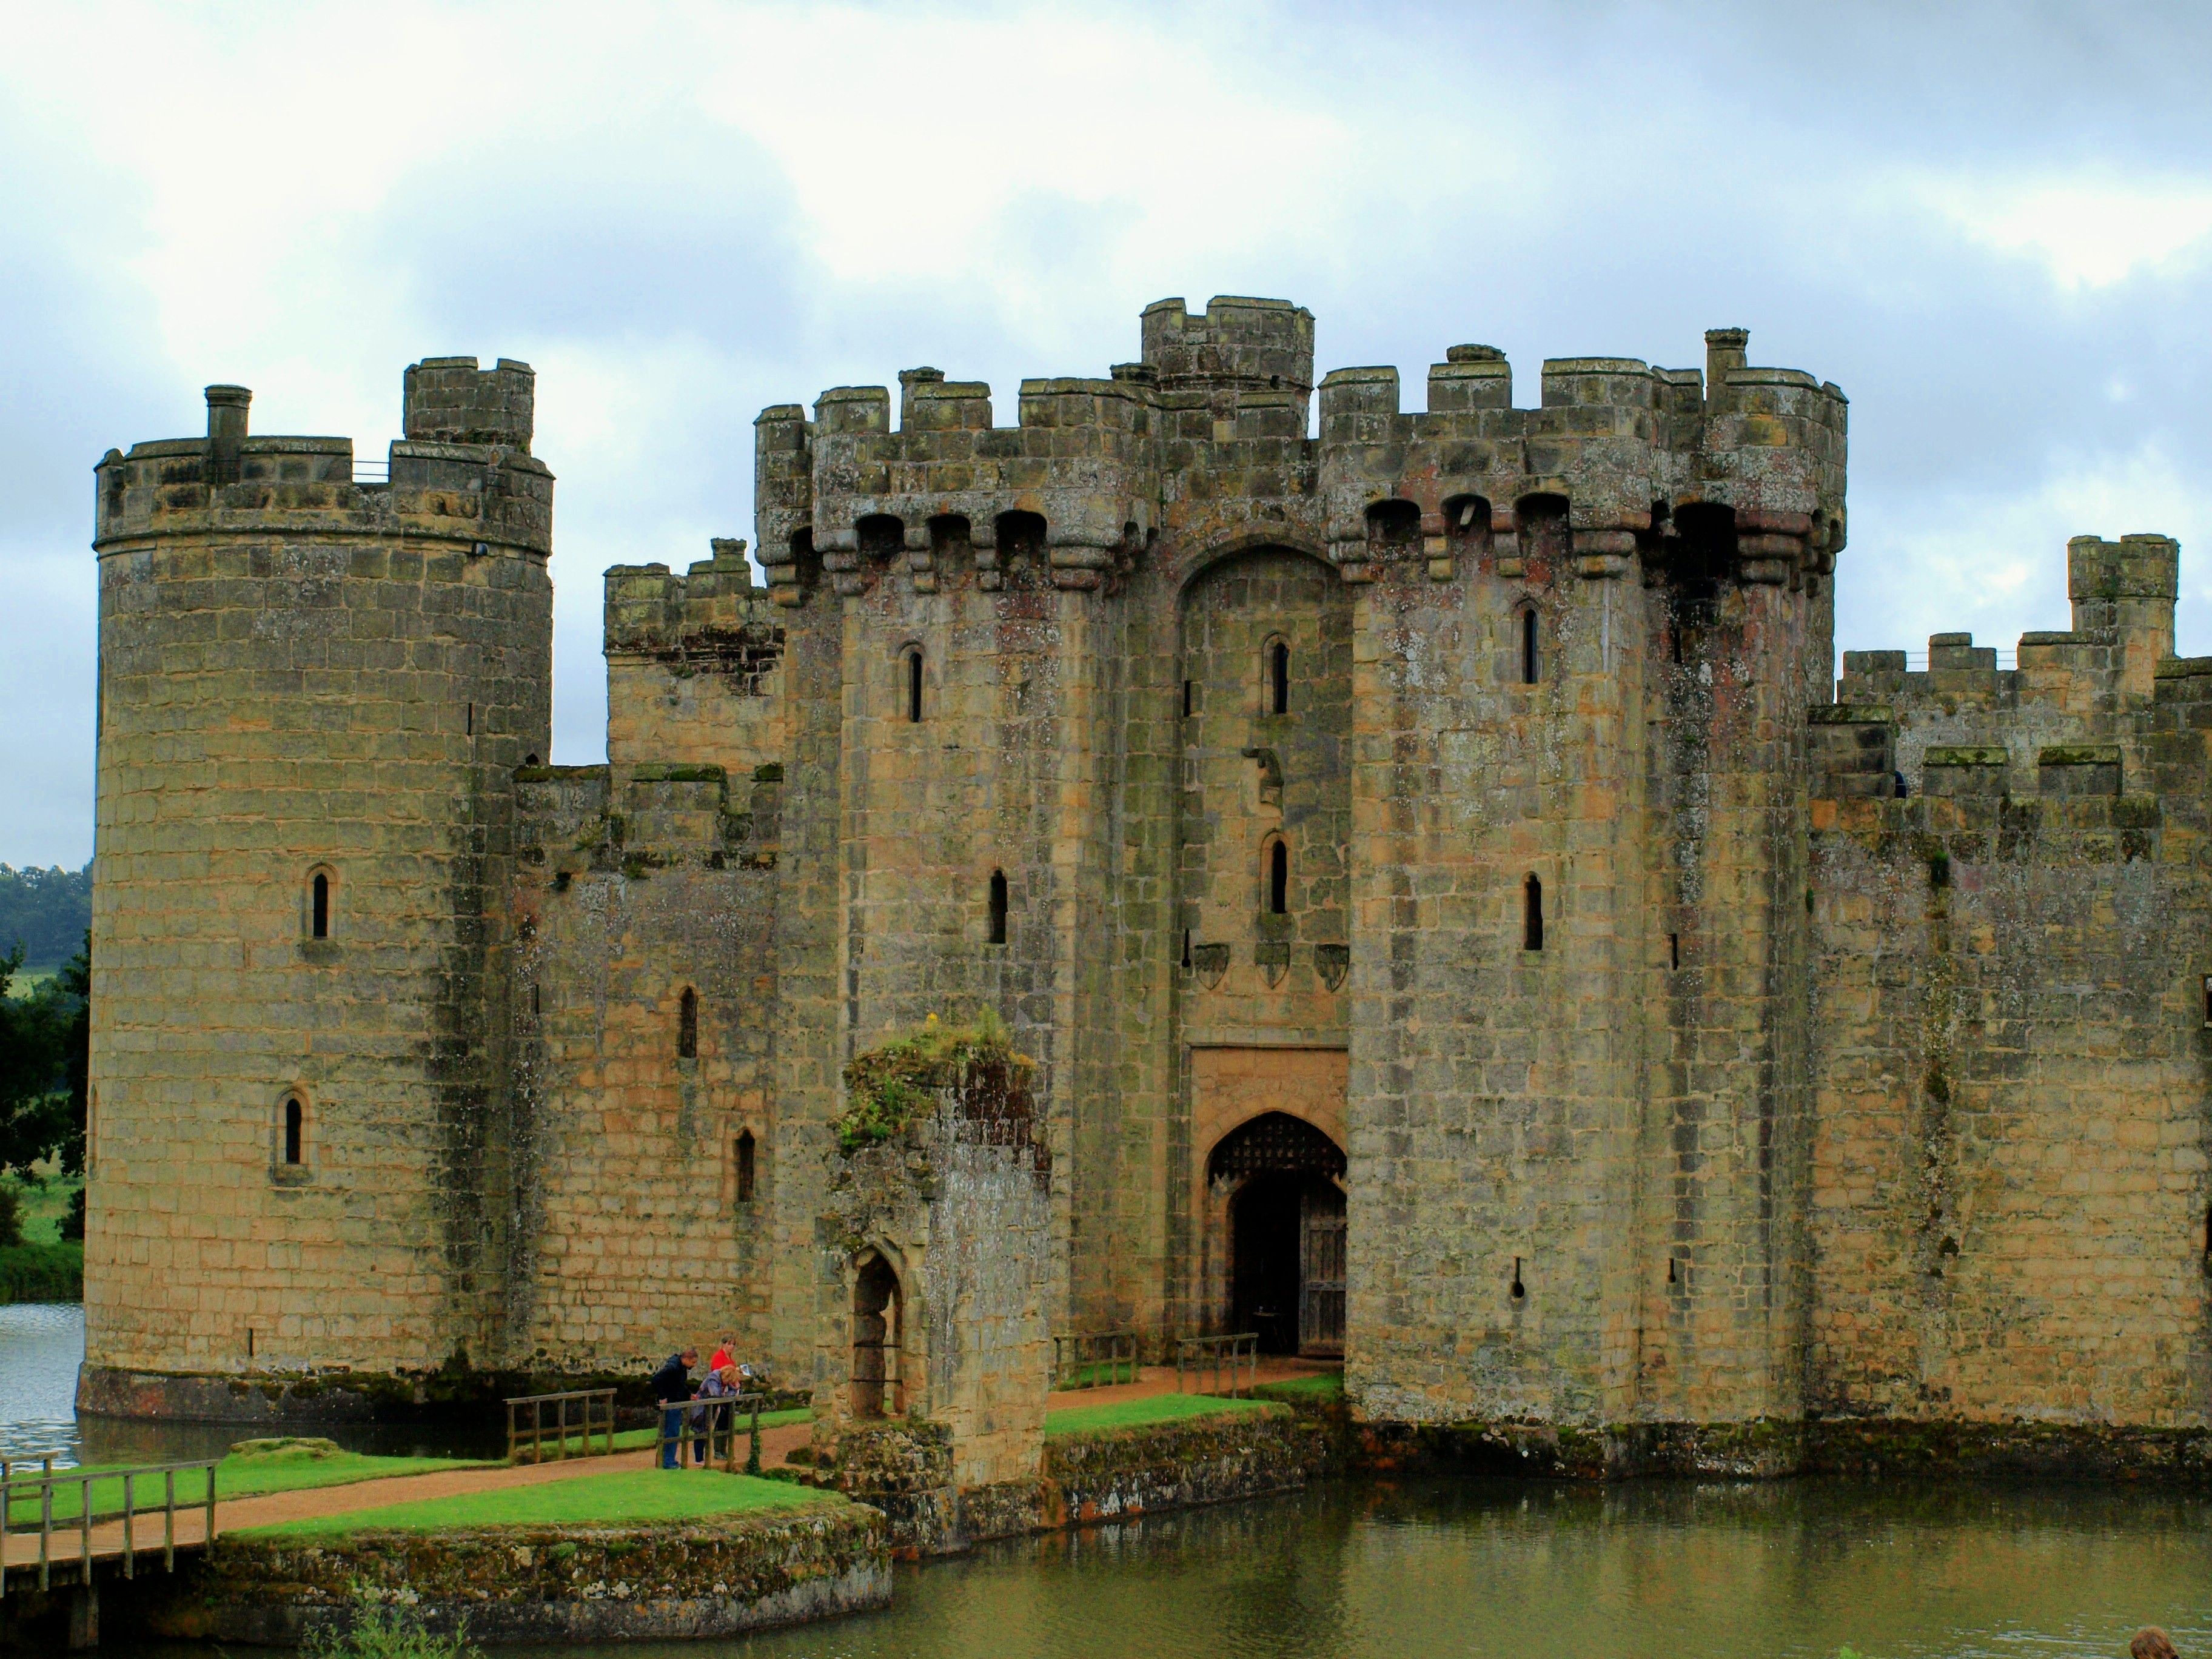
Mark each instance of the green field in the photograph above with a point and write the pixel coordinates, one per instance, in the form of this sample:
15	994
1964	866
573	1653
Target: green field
44	1267
238	1476
1322	1387
1144	1413
624	1496
44	1204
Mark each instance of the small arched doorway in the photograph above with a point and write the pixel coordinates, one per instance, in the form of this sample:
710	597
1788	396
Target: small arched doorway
878	1389
1285	1182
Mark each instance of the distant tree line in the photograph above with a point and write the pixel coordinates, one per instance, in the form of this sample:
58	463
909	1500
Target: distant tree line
45	1048
44	911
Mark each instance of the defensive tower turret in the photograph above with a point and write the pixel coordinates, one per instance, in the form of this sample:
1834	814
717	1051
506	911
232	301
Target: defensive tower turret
314	691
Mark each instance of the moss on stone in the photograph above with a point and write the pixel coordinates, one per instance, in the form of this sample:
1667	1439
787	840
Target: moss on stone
894	1085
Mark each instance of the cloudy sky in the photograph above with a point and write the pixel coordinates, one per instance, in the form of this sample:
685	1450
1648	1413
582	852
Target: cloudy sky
1992	226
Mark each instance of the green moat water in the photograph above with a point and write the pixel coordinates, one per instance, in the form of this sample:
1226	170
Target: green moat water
1646	1571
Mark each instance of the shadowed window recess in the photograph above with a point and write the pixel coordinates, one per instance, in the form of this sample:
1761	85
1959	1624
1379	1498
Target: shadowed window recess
998	907
687	1024
876	1389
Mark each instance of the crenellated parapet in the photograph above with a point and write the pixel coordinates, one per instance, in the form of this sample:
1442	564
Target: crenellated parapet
710	619
1206	442
464	474
1619	447
694	663
2071	715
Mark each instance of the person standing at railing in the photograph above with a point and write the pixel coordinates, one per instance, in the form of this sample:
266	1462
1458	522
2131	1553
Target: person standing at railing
713	1423
672	1387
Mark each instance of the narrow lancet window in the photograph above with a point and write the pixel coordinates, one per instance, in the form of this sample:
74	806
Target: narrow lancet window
318	904
687	1025
913	688
998	907
1278	679
1279	878
744	1156
1532	914
295	1126
1529	661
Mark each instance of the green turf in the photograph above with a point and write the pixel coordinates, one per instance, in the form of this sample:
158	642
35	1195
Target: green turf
1143	1414
1304	1390
237	1477
625	1495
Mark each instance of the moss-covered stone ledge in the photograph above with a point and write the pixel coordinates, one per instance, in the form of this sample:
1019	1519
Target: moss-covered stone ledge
2094	1451
1760	1449
1212	1459
711	1577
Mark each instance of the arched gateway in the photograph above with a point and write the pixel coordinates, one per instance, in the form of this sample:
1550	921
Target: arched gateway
1284	1183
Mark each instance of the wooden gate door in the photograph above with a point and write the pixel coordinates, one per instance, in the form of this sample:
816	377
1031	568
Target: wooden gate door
1321	1280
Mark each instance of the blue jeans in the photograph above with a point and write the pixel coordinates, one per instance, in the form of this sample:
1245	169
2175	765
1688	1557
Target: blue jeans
672	1425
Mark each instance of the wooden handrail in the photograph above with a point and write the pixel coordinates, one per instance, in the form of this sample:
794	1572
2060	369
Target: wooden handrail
1078	1360
590	1419
15	1488
717	1415
1239	1351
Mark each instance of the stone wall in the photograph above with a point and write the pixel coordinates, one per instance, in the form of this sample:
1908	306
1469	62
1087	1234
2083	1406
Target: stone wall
720	1576
2011	1159
958	1208
1708	1055
303	676
637	1232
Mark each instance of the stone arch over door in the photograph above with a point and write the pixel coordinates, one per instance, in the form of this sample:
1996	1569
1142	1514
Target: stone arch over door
877	1370
1268	1138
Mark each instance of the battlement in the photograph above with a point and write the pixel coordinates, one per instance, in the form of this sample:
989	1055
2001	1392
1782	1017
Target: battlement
634	820
2072	714
449	400
694	664
1234	343
484	495
651	611
1211	425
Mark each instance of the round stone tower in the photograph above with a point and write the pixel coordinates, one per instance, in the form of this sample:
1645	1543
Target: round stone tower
315	687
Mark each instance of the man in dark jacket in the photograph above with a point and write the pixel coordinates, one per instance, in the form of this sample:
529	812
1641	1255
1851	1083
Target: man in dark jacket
672	1386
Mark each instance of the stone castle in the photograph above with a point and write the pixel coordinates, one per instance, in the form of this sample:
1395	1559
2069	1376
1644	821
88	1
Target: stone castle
1457	918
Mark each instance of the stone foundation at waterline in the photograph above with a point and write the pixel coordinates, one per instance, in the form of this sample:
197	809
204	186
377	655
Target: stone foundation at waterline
905	1471
1425	845
511	1584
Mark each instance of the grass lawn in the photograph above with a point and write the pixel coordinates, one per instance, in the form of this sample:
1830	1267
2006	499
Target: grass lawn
1143	1414
242	1477
1305	1391
627	1495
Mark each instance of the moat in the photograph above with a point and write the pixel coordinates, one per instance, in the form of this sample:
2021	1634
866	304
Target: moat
1485	1567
